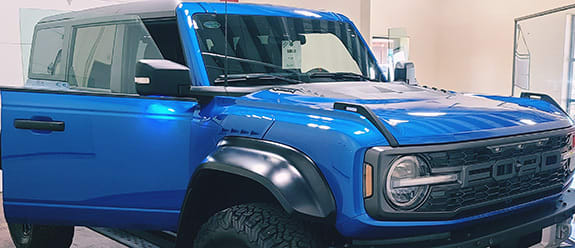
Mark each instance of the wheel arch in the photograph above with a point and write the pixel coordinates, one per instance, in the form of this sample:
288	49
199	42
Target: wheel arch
243	170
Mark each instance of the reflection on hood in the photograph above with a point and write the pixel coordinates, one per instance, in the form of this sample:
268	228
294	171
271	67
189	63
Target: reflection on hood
417	115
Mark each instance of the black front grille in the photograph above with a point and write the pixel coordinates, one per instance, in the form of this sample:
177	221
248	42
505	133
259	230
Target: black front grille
479	155
454	197
492	176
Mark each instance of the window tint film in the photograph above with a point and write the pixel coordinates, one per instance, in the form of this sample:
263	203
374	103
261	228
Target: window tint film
137	44
47	61
93	52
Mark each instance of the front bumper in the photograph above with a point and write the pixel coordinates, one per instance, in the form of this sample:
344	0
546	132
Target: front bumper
506	231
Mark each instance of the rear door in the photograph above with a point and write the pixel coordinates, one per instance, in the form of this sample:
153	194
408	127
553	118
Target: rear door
98	154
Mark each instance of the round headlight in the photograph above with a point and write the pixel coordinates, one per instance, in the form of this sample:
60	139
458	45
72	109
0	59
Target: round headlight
400	176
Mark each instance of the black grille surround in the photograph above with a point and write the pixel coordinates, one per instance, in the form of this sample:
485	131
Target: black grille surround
493	174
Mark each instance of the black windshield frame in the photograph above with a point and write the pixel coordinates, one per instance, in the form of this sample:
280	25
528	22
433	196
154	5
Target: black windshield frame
241	47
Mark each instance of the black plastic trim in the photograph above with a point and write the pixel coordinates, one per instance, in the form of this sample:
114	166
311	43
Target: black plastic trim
301	190
496	232
305	190
381	158
542	97
212	91
96	93
367	113
39	125
194	93
398	241
474	143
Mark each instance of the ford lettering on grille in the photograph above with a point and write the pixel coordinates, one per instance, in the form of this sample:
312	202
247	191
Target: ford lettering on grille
508	168
512	173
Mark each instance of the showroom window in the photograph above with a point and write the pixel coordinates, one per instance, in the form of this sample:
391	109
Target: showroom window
543	58
92	56
47	59
570	90
391	49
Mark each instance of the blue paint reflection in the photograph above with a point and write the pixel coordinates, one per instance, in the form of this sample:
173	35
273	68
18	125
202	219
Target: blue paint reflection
161	111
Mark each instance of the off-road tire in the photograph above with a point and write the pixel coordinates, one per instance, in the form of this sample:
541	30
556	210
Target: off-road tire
255	225
40	236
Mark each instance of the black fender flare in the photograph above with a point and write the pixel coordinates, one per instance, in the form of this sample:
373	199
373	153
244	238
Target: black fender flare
288	174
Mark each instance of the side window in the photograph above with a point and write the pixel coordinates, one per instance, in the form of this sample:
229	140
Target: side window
149	40
46	61
104	57
92	56
167	38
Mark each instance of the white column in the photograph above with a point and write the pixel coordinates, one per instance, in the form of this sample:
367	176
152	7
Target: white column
365	20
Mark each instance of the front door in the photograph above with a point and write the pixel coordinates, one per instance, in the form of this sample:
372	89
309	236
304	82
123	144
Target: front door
99	154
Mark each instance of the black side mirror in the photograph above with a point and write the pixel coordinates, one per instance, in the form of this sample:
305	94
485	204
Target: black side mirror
301	39
405	71
162	77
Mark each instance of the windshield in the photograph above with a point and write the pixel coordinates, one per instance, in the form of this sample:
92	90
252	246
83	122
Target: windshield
306	49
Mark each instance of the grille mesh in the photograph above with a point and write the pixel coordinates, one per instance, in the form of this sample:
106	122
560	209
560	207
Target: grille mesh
452	197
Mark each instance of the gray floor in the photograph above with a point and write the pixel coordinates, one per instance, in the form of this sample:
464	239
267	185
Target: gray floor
83	237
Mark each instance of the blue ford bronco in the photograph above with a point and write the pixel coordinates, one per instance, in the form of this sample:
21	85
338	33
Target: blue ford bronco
241	125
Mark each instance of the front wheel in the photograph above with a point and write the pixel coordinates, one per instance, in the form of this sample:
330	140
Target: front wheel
255	225
40	236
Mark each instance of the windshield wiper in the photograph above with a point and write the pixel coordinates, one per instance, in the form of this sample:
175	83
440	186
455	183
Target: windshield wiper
341	75
242	78
251	61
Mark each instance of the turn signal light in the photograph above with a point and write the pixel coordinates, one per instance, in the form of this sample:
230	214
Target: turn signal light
367	180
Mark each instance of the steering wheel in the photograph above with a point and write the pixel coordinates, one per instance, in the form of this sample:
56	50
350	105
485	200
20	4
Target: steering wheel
317	69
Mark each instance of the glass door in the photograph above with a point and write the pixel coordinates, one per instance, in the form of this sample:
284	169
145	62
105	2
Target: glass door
543	58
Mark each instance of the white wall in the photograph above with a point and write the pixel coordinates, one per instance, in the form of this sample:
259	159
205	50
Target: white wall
463	45
490	42
419	18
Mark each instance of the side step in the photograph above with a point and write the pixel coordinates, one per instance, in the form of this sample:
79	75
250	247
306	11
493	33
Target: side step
139	238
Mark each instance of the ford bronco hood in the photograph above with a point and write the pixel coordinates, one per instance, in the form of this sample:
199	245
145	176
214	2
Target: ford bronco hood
417	115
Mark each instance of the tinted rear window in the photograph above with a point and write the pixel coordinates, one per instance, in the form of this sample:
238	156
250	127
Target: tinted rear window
47	61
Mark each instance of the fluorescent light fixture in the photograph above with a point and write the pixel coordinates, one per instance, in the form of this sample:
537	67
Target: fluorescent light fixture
306	13
394	122
528	122
427	114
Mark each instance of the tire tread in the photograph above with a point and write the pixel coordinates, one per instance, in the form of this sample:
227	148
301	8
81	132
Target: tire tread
259	225
43	236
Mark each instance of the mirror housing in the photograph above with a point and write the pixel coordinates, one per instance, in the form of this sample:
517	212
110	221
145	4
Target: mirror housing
161	77
405	71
